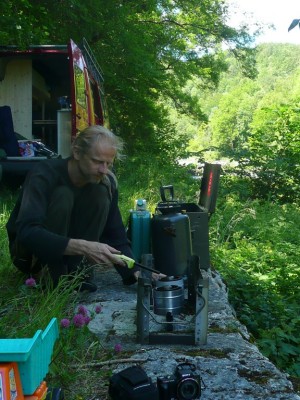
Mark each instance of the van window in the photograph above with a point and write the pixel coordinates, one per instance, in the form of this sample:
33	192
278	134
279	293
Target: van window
80	87
96	103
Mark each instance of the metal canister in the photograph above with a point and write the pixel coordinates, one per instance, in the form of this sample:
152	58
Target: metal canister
168	299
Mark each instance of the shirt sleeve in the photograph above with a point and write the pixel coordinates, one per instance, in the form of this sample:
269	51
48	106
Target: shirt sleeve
114	233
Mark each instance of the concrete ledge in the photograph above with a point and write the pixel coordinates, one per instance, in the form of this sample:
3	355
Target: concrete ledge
231	367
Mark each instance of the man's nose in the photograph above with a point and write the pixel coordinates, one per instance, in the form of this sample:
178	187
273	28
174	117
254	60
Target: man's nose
103	168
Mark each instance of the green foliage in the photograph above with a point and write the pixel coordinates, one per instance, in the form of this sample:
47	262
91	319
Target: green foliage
25	309
255	246
275	152
158	55
148	50
234	185
141	177
256	122
230	121
23	22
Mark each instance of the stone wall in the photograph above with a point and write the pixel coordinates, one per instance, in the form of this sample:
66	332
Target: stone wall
230	366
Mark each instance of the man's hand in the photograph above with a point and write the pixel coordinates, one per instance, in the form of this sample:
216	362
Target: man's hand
98	253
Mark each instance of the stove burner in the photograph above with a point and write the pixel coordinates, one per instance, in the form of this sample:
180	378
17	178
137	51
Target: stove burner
168	299
170	280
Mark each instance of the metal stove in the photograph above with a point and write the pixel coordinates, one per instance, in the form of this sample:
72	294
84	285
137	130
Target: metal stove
174	310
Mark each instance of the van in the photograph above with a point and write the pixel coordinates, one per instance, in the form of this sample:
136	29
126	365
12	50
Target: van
47	95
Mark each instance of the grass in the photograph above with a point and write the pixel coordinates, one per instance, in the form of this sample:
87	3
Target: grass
25	309
253	244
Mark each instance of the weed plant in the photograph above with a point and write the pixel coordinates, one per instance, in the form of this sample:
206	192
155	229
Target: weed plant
253	244
142	177
26	306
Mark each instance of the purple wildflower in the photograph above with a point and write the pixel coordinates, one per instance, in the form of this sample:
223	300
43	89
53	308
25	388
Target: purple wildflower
79	320
118	348
82	310
65	323
87	319
98	309
30	282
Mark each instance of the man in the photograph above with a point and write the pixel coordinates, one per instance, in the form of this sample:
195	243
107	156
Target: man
68	210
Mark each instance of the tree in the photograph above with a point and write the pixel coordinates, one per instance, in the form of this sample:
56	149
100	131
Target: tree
23	23
232	107
230	120
148	50
275	152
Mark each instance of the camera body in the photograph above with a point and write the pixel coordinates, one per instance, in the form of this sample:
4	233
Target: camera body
132	384
184	384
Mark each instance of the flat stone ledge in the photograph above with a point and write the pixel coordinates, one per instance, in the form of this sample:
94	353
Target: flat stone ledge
230	366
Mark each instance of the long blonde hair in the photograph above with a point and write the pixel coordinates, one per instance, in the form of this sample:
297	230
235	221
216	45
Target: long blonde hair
94	134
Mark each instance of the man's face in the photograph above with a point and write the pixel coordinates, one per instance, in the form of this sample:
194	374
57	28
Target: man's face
94	165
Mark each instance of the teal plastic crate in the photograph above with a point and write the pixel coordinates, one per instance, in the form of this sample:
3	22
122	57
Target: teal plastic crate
32	355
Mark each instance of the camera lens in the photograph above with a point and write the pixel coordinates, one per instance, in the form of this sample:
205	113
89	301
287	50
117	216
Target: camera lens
188	389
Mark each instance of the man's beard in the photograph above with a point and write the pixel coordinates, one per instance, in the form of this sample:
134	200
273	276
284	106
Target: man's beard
90	178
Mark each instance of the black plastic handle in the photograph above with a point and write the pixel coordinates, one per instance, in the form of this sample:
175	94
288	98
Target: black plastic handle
163	190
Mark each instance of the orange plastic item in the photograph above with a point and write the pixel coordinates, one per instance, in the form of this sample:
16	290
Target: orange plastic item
33	355
40	393
10	382
11	387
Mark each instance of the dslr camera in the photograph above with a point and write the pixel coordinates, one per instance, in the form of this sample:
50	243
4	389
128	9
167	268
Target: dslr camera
184	384
132	384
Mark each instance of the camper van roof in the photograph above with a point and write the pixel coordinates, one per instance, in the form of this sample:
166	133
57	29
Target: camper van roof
33	48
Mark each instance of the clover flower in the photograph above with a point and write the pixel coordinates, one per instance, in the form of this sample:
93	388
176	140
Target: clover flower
98	309
79	320
65	323
30	282
82	310
118	348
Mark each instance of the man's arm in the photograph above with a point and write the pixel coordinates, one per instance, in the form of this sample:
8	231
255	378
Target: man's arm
99	253
114	233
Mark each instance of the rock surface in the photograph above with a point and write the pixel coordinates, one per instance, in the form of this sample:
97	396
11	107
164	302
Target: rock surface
229	365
